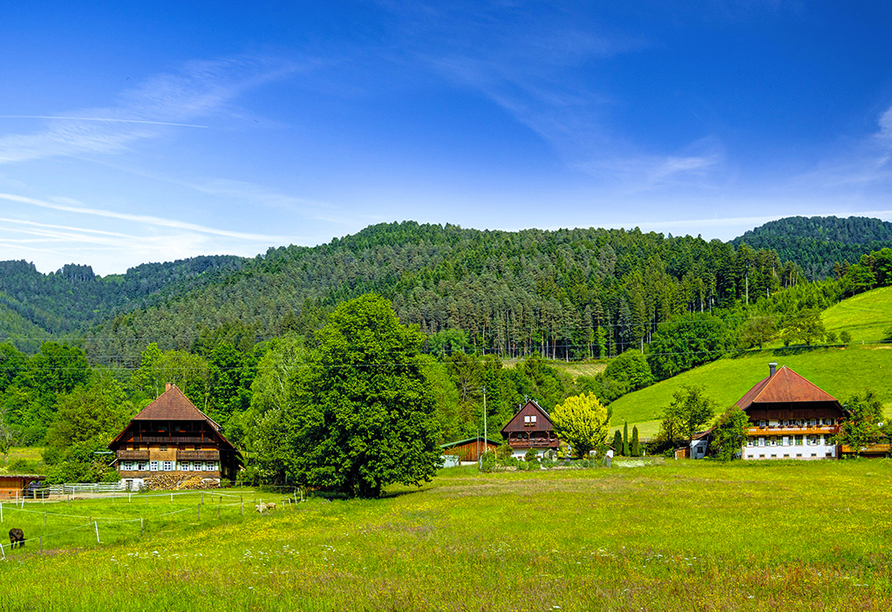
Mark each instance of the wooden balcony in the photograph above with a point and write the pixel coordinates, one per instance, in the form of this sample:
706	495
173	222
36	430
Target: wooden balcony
169	439
792	430
198	455
133	455
533	443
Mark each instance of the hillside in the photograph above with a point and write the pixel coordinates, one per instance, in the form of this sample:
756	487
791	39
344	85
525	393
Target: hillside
512	293
841	371
816	243
73	296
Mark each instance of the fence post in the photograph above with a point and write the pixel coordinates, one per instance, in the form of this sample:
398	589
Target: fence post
141	526
96	525
171	497
40	539
202	497
219	503
2	550
128	497
44	518
243	508
199	513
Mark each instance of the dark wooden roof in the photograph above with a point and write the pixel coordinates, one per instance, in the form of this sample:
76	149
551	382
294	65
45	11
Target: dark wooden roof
173	405
530	408
784	387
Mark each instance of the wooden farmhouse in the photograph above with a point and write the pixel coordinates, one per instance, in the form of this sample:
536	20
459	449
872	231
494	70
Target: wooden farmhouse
790	418
172	436
530	428
469	450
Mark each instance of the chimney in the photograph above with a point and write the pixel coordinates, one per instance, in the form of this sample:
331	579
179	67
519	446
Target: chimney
772	368
167	386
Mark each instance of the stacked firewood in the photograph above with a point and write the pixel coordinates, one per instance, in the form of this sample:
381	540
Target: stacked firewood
163	481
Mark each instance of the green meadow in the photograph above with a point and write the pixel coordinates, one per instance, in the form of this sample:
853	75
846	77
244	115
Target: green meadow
669	535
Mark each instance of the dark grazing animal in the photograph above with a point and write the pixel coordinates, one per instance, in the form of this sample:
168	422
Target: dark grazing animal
16	537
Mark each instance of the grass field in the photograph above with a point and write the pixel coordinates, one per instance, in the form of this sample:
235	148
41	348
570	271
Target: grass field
677	536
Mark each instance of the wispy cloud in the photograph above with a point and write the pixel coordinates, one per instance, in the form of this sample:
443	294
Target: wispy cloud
71	206
199	90
865	164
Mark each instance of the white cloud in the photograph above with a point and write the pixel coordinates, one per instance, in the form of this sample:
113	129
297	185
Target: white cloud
72	206
199	90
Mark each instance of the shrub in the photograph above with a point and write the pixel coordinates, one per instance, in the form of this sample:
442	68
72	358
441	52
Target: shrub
531	456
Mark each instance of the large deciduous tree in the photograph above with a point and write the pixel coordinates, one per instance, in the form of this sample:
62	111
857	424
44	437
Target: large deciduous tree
729	434
362	409
685	342
862	424
688	411
582	421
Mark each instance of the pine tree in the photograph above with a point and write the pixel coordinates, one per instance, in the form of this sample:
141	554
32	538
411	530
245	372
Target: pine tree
636	446
618	442
625	439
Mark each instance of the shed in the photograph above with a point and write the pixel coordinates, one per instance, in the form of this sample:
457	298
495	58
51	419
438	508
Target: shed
469	449
13	486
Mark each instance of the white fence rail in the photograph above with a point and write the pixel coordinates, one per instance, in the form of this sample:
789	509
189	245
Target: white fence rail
73	488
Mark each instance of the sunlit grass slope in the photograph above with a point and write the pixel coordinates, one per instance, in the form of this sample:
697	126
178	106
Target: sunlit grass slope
867	316
679	536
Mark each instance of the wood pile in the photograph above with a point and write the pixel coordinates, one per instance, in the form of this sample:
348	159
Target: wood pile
173	482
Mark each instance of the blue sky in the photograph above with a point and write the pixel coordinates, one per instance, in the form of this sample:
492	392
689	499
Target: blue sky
142	132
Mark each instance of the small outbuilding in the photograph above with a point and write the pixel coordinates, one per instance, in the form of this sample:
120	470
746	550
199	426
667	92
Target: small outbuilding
468	450
17	486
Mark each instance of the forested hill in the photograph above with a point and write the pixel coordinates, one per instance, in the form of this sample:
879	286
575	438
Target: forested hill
565	294
64	301
816	243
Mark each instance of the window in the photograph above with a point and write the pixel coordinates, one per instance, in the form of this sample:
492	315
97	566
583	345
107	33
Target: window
786	455
127	466
168	466
153	466
786	441
749	441
164	447
529	420
140	466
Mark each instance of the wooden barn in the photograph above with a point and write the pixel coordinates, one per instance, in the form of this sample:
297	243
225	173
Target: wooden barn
470	449
530	428
16	486
171	435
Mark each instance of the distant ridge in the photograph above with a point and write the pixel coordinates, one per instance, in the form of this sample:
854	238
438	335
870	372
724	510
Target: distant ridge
816	243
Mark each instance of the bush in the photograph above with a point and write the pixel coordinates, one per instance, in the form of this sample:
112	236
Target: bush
531	456
488	462
845	337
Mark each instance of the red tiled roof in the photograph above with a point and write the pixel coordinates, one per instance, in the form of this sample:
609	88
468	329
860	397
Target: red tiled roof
786	386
